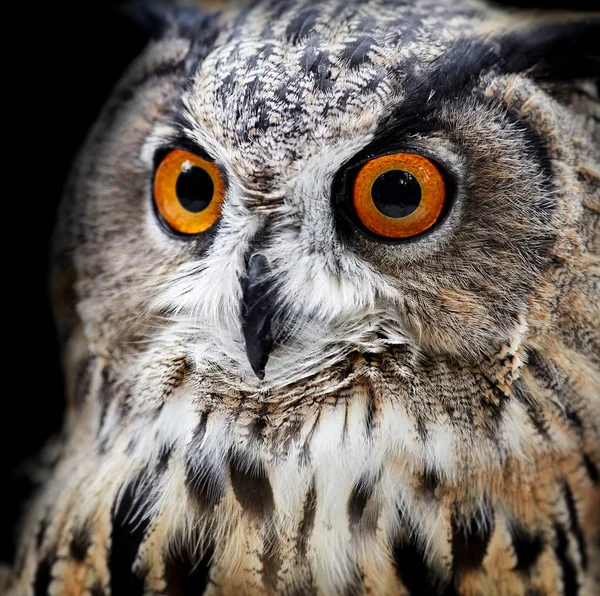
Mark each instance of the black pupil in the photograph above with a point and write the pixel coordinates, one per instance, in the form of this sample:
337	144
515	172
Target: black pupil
396	193
194	189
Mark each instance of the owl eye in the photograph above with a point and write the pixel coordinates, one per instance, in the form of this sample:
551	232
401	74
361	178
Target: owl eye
399	195
188	192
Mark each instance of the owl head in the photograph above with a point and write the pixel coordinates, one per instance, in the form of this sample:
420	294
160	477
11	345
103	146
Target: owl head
327	281
267	195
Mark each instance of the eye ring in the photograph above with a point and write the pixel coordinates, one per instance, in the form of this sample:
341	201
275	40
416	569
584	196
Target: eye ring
420	199
188	192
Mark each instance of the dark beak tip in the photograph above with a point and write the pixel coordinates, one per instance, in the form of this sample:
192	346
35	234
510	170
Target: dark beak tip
258	357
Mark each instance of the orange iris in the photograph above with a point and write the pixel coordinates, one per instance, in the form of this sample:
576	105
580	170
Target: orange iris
399	195
188	192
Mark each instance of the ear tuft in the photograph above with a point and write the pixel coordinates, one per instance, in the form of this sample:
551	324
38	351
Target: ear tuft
154	18
555	47
158	18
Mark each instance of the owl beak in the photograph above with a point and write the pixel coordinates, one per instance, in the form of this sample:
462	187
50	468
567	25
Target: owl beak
256	315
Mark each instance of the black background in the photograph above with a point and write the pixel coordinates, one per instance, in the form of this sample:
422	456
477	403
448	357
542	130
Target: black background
60	64
59	67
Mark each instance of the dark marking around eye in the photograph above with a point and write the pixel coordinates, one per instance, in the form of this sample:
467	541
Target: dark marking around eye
528	547
195	189
185	575
251	487
470	539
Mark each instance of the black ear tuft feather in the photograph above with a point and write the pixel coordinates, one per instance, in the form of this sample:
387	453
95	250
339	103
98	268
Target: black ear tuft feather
154	18
159	17
555	48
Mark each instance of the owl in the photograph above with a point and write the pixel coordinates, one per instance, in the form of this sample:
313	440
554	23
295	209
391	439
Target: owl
326	281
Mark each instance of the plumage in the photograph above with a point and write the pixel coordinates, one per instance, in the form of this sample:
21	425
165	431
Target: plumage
428	417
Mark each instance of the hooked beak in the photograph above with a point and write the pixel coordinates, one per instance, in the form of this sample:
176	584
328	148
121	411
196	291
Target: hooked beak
256	314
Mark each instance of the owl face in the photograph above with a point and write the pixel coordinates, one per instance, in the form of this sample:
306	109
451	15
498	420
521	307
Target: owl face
327	283
289	107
